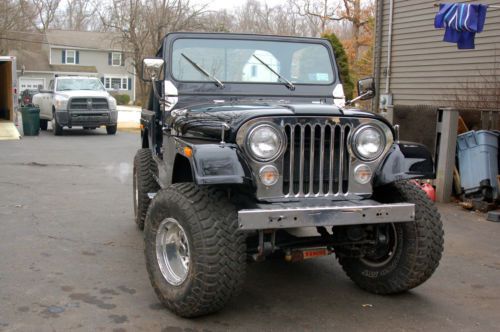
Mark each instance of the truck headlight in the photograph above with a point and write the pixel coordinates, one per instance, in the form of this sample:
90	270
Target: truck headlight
60	103
368	142
265	142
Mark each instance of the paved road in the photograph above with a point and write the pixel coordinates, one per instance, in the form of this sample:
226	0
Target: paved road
71	258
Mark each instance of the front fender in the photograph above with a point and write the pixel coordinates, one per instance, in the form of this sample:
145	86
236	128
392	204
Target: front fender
215	163
405	160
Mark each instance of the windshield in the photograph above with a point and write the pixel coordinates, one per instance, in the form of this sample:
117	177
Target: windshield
244	61
68	84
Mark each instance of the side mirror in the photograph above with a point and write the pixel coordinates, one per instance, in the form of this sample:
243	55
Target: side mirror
152	69
366	88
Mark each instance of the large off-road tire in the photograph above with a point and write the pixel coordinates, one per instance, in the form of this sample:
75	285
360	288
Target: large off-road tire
416	248
143	183
216	249
43	124
57	129
111	130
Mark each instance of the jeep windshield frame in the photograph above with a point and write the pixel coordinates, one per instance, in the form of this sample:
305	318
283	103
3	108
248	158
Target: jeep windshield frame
234	61
204	89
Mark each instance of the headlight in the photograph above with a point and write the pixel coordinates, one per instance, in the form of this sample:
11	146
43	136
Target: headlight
265	142
112	102
368	142
60	103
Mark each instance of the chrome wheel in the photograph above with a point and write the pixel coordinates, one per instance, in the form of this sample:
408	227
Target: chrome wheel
172	251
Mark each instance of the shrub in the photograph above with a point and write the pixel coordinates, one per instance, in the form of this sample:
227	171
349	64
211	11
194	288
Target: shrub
122	99
342	63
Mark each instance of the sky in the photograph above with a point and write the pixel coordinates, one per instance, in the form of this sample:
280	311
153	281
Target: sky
231	4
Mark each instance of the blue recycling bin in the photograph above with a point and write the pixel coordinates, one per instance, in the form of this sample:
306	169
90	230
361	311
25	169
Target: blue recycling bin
478	163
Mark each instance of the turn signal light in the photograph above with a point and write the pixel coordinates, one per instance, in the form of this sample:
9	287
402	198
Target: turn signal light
269	175
363	174
188	152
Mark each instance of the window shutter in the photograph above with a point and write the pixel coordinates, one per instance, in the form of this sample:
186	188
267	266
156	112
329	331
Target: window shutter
109	58
77	60
130	84
102	80
123	59
63	60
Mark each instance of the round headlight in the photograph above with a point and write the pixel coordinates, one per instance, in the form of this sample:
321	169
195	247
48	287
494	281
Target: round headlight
368	142
265	142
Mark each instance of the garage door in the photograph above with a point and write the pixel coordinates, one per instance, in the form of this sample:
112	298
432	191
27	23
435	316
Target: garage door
30	83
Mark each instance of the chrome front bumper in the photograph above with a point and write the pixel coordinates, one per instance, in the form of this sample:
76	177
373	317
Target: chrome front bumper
340	213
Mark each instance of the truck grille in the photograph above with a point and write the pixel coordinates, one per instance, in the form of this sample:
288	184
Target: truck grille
316	161
84	104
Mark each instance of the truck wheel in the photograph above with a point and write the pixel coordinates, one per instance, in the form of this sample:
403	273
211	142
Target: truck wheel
412	251
57	129
43	124
143	183
195	255
111	130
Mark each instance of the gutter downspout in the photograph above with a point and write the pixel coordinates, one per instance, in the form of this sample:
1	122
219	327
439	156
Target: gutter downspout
377	54
389	48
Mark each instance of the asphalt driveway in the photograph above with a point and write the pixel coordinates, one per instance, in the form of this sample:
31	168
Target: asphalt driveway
71	258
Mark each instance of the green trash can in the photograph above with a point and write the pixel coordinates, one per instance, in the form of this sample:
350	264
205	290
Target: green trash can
31	120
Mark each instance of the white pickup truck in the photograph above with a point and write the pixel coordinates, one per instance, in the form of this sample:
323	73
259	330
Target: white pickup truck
76	101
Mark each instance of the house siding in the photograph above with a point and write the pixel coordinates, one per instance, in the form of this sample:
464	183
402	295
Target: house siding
424	69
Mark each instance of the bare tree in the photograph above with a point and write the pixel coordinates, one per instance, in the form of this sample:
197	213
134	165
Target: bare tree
218	21
142	24
359	16
172	15
44	12
286	21
477	93
255	17
11	18
319	11
80	15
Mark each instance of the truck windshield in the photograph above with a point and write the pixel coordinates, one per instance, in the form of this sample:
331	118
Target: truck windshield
237	61
68	84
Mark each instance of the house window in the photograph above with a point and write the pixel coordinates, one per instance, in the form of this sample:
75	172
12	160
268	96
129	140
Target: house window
116	83
71	57
116	59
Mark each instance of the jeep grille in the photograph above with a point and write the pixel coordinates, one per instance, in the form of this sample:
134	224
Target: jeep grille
84	104
316	161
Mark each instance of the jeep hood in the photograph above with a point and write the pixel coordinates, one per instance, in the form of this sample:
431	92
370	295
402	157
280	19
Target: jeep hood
205	121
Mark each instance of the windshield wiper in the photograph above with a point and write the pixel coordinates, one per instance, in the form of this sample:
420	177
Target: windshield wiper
287	83
204	72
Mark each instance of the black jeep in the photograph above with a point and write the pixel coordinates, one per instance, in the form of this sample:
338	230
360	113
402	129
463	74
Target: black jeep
248	153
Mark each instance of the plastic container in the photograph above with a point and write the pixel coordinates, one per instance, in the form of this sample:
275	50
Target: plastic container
31	120
478	163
